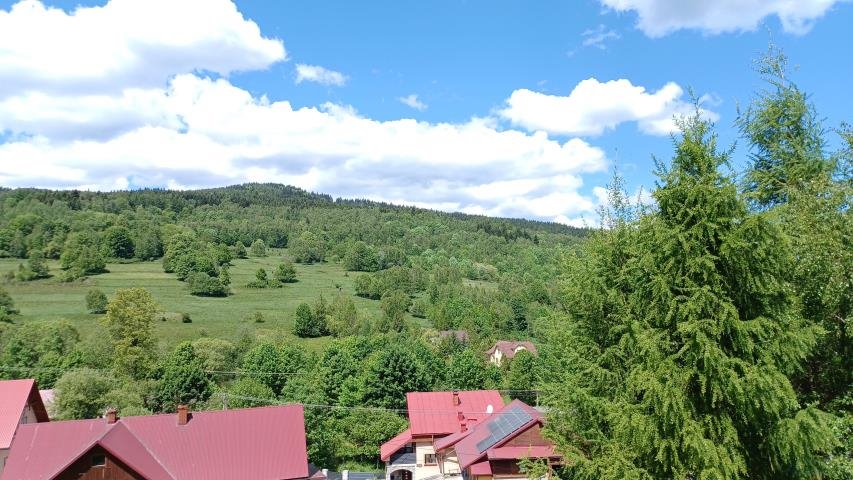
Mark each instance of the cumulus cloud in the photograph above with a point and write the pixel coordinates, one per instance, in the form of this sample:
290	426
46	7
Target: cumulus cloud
135	94
593	107
318	74
414	102
661	17
125	44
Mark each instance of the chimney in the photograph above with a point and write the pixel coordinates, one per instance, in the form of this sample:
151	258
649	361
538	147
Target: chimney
112	415
456	400
460	416
463	427
183	415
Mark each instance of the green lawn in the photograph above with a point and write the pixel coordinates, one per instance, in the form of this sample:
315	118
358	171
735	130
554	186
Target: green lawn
215	317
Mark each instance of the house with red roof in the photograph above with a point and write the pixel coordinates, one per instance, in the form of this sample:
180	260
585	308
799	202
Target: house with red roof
507	349
20	404
265	443
447	429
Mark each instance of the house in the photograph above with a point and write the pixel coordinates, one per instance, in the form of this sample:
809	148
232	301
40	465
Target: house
433	415
507	349
20	403
47	398
460	336
265	443
494	447
465	435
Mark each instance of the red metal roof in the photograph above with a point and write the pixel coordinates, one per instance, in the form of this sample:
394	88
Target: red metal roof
388	448
259	443
466	448
15	395
434	413
481	468
517	453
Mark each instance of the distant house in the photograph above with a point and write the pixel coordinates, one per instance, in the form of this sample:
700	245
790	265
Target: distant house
20	403
465	435
506	349
257	443
47	398
411	455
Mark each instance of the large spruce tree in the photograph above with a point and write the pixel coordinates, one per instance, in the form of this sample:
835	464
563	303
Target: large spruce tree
680	335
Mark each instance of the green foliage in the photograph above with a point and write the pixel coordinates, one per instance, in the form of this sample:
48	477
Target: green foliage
249	392
357	435
273	366
466	371
96	301
203	285
183	381
130	323
80	393
682	333
185	254
216	354
258	248
392	374
394	306
308	248
285	272
43	350
240	250
342	319
261	280
117	242
308	323
35	269
7	305
522	377
361	258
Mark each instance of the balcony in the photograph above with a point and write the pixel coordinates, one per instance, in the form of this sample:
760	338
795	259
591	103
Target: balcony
403	457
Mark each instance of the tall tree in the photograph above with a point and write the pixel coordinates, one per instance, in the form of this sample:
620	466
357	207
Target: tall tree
184	380
130	324
392	374
681	334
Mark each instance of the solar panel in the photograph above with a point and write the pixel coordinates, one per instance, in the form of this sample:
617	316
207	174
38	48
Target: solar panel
502	425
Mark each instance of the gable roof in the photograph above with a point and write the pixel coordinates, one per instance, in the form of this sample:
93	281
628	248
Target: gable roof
258	443
508	347
15	395
495	431
388	448
435	413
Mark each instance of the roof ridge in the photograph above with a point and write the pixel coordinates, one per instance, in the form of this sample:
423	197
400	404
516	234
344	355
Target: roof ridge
78	455
150	452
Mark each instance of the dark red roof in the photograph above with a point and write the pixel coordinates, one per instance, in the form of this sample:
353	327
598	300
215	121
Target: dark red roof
468	450
509	347
435	413
259	443
15	395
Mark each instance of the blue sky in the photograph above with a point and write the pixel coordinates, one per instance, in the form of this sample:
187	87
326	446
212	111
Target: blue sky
487	82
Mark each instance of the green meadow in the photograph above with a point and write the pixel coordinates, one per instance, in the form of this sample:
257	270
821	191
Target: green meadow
227	317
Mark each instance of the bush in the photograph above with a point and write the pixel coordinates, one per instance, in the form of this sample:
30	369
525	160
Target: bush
261	280
7	305
285	272
96	301
257	317
259	248
117	243
203	285
240	250
308	248
185	318
307	324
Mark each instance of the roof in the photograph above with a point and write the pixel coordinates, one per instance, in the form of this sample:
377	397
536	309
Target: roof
496	431
435	413
388	448
481	468
509	347
15	395
515	453
258	443
459	335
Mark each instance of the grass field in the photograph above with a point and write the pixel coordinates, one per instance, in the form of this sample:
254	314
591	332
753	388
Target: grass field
215	317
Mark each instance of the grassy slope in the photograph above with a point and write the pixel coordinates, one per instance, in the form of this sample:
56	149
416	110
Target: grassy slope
214	317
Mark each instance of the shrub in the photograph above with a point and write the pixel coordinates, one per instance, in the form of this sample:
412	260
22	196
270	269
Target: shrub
96	301
185	318
285	272
259	248
261	280
203	285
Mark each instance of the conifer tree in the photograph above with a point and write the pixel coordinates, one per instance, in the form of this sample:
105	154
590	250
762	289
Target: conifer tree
680	338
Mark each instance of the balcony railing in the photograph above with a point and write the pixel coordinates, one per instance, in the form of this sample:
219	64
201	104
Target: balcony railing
404	458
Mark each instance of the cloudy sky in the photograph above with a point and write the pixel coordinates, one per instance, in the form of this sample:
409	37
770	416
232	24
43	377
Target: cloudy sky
500	107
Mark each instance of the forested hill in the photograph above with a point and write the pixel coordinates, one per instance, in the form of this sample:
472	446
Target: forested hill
261	194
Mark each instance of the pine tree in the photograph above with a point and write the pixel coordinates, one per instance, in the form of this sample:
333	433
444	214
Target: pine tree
681	336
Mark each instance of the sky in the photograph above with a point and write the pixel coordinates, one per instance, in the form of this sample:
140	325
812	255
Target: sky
495	107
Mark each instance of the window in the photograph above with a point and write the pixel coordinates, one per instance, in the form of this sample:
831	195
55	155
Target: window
99	460
429	459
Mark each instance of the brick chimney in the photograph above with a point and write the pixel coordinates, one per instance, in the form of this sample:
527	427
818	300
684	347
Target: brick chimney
112	415
183	414
463	427
456	400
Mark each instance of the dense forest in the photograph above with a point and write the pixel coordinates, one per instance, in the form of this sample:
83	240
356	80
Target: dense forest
704	336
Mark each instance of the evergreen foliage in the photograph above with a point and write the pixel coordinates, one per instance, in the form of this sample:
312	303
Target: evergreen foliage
96	301
673	361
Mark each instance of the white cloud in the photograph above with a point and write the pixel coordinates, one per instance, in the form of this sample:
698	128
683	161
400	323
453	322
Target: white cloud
593	107
413	102
318	74
138	109
125	44
661	17
598	37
